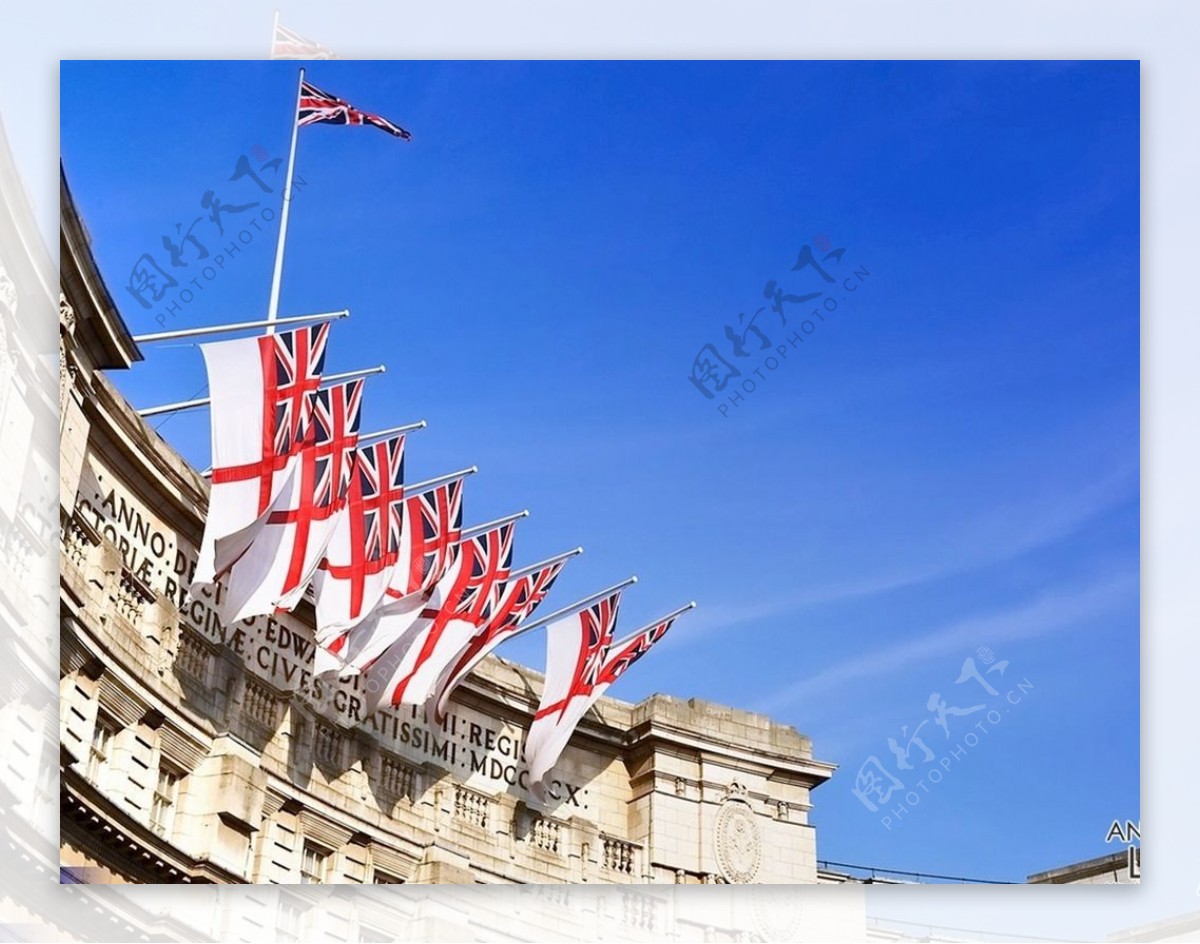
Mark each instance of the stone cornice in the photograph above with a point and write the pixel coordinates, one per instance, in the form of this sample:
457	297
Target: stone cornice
98	320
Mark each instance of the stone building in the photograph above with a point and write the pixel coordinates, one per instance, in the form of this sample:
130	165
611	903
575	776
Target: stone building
1115	868
194	752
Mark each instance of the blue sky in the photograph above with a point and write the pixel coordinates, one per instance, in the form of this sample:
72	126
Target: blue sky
949	461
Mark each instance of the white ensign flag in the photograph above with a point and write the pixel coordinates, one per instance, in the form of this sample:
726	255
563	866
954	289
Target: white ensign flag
262	390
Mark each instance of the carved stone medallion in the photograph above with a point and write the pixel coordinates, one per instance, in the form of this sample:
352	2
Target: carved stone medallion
777	912
739	847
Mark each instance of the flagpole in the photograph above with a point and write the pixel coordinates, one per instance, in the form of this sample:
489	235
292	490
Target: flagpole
574	607
205	401
364	437
440	480
439	708
273	307
393	431
658	622
533	568
239	326
468	533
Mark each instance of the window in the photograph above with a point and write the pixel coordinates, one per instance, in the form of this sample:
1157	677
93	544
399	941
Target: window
382	878
314	868
102	736
290	922
166	792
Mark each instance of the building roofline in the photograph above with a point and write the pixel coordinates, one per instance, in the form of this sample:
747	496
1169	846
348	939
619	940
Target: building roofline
103	322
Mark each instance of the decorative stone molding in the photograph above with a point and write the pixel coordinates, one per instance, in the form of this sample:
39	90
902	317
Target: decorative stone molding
66	369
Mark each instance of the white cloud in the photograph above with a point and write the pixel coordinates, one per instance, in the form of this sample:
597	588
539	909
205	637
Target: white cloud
1048	613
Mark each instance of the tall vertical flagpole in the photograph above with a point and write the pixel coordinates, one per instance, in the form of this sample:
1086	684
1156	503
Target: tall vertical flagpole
273	308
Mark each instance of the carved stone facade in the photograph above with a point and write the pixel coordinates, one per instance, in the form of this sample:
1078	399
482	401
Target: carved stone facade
194	752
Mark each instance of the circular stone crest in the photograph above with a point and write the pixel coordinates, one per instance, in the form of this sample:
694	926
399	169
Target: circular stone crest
777	913
739	848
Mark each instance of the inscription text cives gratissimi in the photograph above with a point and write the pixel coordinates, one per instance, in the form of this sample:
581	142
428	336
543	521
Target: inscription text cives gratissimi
483	751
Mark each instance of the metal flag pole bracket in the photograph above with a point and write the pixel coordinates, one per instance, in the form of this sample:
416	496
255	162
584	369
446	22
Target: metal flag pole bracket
205	401
240	326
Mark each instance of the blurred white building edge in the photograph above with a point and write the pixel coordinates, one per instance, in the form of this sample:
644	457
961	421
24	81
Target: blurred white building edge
129	825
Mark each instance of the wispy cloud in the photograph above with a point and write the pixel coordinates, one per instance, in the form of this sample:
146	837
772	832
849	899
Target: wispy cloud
986	539
1048	613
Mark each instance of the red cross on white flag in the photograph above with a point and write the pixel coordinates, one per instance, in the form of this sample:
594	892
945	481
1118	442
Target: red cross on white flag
460	605
582	661
365	543
273	573
262	390
429	545
521	598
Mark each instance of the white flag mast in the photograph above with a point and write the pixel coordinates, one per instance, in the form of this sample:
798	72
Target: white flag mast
574	607
468	533
533	568
363	438
273	306
205	401
239	326
674	614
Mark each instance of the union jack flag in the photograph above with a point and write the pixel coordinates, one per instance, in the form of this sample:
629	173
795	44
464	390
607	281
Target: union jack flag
478	586
376	492
521	597
432	529
299	358
489	559
288	44
317	107
326	462
596	625
292	364
582	661
381	485
625	653
336	414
